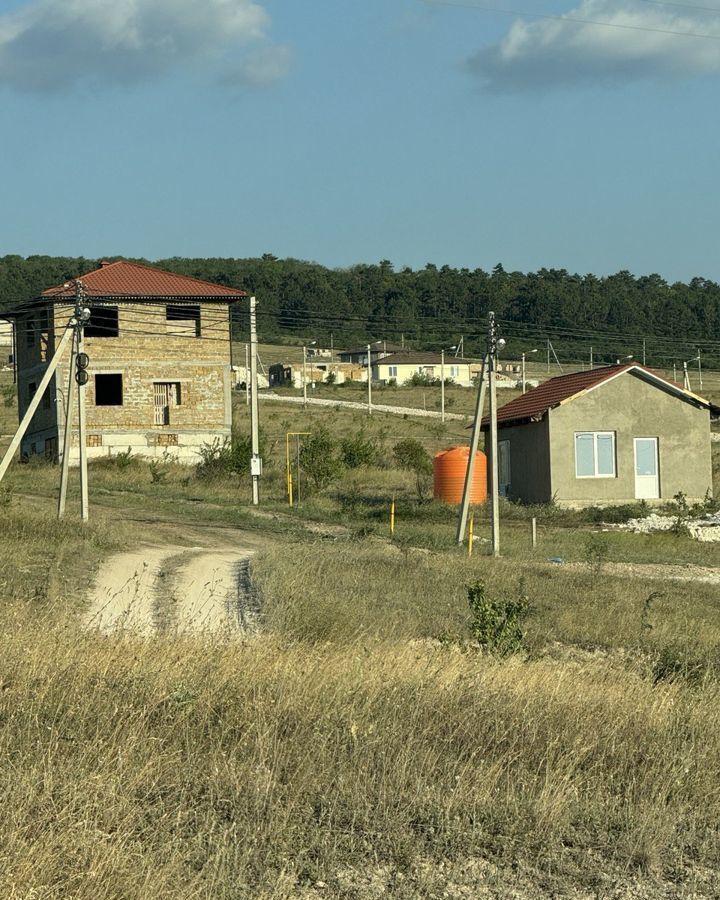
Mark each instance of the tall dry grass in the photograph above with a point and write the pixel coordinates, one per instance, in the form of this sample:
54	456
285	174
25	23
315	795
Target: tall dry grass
147	769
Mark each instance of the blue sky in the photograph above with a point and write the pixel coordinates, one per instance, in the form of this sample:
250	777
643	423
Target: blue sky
351	132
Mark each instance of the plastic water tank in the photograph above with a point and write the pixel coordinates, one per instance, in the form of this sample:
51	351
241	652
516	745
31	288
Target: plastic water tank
449	470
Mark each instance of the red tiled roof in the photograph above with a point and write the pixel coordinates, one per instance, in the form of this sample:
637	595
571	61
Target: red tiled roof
126	279
554	391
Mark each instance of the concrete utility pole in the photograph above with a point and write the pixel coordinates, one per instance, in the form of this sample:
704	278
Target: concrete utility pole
643	351
493	345
81	377
700	369
474	440
255	461
304	377
369	370
442	385
67	431
247	376
686	377
523	366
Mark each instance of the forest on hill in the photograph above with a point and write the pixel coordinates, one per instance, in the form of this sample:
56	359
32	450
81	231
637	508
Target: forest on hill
434	306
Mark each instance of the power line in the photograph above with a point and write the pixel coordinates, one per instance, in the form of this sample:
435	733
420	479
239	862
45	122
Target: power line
481	7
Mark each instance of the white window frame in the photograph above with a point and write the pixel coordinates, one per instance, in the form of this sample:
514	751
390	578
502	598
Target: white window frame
392	371
596	435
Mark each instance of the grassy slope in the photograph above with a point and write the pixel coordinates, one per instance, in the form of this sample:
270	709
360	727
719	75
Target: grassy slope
360	747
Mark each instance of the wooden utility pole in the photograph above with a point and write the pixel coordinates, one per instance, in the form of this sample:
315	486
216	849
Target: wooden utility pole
255	460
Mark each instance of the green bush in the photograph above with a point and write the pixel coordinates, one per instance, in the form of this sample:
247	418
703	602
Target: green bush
319	460
497	622
222	458
411	455
359	451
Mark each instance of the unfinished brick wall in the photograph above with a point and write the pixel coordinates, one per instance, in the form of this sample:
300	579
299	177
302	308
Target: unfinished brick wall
150	348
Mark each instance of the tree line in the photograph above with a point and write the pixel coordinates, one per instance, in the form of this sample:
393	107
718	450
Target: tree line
434	306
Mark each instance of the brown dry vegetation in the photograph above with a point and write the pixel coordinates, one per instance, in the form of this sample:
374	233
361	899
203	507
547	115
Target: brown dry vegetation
360	746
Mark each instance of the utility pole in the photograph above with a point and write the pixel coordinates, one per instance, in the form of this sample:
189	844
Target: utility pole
67	431
493	345
686	377
369	376
699	369
82	314
442	385
474	440
643	351
255	461
247	376
591	359
523	368
304	377
674	372
548	356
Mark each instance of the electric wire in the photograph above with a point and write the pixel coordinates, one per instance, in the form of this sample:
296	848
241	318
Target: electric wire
482	7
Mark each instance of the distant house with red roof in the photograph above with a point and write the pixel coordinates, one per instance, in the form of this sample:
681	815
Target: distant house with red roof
160	363
609	435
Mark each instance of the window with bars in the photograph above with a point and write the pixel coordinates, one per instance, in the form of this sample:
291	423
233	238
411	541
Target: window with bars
168	396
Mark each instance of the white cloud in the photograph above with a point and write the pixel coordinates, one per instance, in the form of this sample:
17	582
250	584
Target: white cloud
50	44
548	53
261	67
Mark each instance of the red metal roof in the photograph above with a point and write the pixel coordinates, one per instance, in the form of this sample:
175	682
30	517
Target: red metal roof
126	279
554	391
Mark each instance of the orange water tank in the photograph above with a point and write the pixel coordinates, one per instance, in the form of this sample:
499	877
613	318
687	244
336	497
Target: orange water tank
449	470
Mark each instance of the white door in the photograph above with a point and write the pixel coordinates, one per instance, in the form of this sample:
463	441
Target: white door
647	480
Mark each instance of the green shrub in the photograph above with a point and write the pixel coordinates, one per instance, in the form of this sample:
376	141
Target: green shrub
359	451
319	460
222	458
411	455
497	622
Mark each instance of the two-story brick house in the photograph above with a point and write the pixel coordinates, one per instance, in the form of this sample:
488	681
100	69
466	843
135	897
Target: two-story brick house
160	363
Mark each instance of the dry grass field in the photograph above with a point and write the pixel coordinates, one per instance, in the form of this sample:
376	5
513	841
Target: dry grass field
361	745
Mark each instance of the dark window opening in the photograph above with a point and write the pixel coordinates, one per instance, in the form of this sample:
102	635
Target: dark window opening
103	322
183	320
32	390
108	390
31	327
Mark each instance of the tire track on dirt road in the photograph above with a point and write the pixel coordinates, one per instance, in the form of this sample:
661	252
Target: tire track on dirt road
173	589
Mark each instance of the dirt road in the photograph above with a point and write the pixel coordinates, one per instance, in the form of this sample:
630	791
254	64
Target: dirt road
173	589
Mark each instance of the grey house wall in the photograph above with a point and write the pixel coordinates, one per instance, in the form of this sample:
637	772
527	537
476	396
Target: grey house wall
529	461
631	407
